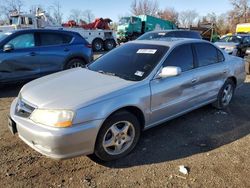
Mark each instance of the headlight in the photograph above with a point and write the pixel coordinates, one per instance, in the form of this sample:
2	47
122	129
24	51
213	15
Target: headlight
54	118
230	49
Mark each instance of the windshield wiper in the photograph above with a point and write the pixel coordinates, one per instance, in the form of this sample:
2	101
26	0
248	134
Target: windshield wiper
124	77
107	73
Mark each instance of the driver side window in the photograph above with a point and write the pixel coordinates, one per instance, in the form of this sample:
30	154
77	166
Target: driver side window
23	41
181	56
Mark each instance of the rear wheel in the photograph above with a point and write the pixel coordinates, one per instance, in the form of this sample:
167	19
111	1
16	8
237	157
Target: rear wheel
118	136
97	45
225	94
109	44
74	63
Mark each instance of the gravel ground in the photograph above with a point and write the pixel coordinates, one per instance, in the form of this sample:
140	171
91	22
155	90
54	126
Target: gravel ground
214	146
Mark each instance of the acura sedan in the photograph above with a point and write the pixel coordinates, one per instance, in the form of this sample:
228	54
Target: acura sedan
103	108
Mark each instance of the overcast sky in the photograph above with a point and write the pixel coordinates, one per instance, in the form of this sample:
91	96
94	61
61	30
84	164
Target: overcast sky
115	8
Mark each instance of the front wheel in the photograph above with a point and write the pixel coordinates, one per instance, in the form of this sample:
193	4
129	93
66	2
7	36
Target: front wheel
225	95
74	63
118	136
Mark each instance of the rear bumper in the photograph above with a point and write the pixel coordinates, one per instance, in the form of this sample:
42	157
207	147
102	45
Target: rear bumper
58	143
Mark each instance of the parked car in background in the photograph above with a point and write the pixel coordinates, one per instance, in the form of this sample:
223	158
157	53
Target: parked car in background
134	87
28	54
152	35
235	44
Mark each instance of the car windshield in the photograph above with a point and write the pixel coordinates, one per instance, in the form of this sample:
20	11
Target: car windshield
234	39
123	21
130	61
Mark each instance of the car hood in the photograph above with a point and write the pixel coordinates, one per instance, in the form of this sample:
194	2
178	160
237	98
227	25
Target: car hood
226	44
72	89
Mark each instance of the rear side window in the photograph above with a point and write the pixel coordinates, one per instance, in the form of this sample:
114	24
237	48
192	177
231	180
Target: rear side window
181	56
48	39
206	54
220	56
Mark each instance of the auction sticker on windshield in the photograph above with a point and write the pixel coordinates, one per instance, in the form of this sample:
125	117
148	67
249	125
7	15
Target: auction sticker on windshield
139	73
146	51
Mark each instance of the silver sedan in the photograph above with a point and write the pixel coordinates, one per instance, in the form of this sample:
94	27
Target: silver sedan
102	109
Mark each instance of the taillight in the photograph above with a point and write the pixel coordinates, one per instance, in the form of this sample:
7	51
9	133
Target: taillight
88	45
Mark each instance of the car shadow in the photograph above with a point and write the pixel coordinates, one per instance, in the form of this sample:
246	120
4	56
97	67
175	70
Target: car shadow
10	90
200	131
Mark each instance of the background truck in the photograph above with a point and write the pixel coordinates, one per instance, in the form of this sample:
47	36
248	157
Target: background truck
19	20
243	28
130	28
98	33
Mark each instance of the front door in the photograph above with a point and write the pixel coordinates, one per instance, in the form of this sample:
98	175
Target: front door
21	62
174	95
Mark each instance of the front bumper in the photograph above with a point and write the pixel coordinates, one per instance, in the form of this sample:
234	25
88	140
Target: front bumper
58	143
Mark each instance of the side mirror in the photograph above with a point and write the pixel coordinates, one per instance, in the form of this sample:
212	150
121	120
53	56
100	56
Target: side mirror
8	48
169	71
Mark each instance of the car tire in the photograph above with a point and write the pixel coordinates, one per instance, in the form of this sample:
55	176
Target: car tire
225	95
97	45
109	44
75	63
118	136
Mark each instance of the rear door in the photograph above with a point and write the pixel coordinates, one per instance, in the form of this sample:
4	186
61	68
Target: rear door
54	48
22	62
211	72
174	95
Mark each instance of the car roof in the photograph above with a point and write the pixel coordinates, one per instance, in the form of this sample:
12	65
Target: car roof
55	30
169	42
172	30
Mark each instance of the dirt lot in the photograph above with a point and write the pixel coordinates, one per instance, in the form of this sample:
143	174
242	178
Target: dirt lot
214	145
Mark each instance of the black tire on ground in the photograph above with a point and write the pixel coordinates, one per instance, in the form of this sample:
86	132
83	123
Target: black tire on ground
109	44
106	134
97	45
74	63
223	99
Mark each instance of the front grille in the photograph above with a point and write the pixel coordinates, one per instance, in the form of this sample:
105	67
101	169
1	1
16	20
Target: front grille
23	109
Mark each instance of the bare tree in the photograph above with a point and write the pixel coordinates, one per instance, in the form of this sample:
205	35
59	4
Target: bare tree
223	25
56	11
88	16
81	16
6	6
188	18
14	5
169	14
148	7
76	15
240	9
211	17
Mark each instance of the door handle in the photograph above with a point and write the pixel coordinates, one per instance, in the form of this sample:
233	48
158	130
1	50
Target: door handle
194	80
225	71
32	53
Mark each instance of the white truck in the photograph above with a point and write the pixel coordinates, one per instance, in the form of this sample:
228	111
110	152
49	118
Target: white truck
100	39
